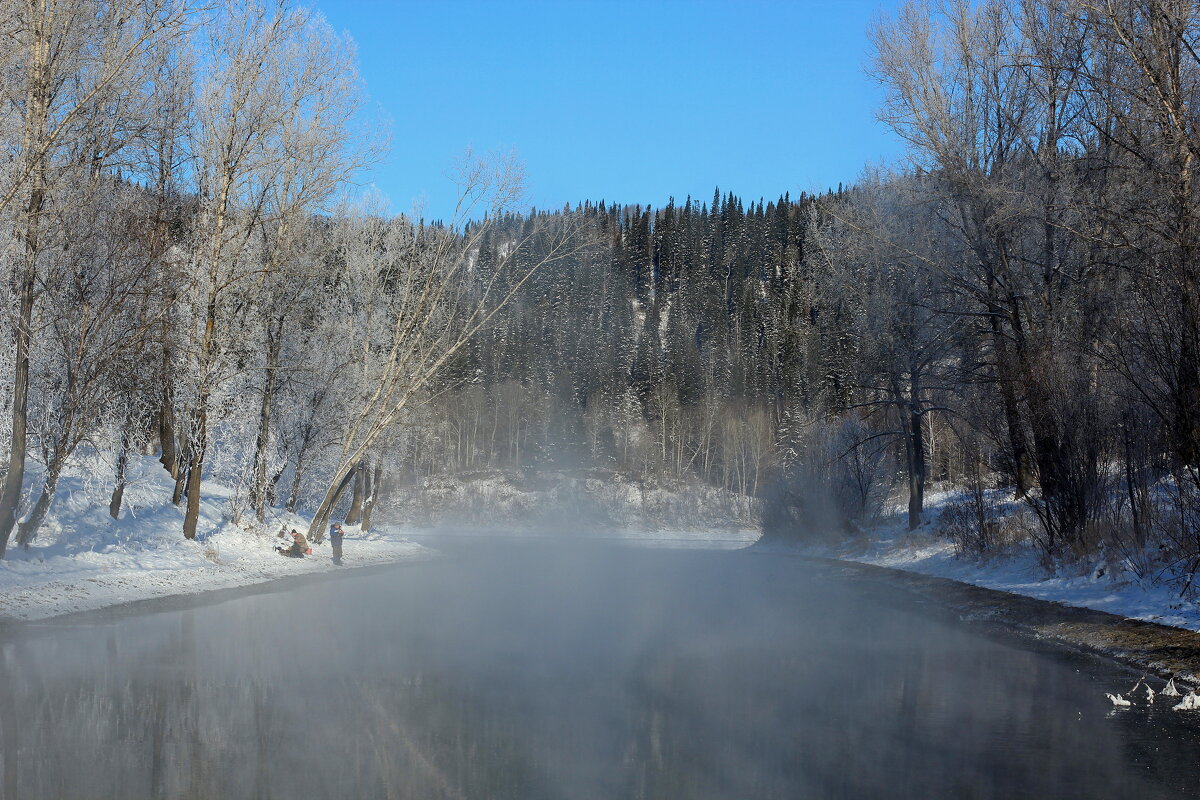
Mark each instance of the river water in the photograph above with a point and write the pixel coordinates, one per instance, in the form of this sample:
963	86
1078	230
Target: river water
534	670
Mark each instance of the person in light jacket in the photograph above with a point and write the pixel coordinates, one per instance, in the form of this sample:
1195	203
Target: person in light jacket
299	545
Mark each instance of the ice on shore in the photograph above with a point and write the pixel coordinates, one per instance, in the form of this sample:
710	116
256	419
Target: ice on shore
1118	700
1190	702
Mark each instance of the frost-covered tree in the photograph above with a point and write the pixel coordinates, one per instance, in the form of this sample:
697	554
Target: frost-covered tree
71	92
422	297
269	144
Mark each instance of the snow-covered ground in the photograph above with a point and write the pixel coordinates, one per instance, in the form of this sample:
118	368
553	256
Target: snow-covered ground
553	500
1096	584
83	559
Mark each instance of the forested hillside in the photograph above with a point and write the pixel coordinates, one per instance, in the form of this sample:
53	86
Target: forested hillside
1015	314
669	347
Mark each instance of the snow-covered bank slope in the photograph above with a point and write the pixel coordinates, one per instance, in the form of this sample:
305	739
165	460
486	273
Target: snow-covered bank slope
83	559
596	499
1097	585
37	588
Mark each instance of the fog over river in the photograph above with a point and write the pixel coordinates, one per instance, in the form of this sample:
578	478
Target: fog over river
584	670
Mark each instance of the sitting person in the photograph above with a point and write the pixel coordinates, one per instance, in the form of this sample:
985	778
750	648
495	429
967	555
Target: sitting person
299	546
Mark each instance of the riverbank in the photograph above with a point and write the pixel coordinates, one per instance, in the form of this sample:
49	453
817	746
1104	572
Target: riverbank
1098	605
595	500
1148	647
1101	582
39	584
84	560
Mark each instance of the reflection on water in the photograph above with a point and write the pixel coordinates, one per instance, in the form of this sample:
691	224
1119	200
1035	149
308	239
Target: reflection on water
588	672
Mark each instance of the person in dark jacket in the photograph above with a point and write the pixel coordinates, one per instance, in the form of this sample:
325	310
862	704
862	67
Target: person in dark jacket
335	539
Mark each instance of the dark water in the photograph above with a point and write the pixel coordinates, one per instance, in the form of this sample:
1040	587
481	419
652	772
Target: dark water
533	671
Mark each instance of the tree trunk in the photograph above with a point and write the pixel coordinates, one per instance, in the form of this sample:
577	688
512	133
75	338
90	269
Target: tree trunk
1018	449
916	464
294	495
14	479
1186	395
1065	507
181	474
329	502
195	466
1135	487
356	500
37	114
118	493
199	431
166	420
273	486
180	490
259	488
28	529
372	496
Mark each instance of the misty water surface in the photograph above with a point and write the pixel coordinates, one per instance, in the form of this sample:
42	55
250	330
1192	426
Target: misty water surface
541	671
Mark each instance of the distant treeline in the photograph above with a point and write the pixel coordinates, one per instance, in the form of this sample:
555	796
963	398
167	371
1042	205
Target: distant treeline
670	346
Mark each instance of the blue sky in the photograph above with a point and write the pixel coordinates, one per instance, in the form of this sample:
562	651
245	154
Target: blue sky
620	101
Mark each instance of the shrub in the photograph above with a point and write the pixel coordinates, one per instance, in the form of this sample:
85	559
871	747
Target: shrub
979	524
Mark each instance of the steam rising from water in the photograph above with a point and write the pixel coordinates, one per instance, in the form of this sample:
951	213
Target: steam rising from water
531	670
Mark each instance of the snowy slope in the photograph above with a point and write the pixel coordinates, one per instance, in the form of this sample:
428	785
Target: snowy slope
83	559
1097	585
550	500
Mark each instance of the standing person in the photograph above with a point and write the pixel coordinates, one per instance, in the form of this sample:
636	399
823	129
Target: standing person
335	538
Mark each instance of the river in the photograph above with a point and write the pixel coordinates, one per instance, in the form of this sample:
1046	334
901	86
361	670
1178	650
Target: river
585	670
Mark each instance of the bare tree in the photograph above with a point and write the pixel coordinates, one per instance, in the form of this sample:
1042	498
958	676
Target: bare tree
430	301
269	144
877	250
988	96
72	59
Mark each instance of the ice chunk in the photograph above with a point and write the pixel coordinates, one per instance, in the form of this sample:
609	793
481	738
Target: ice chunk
1190	702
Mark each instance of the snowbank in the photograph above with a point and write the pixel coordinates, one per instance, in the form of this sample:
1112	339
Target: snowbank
1096	585
83	559
595	499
